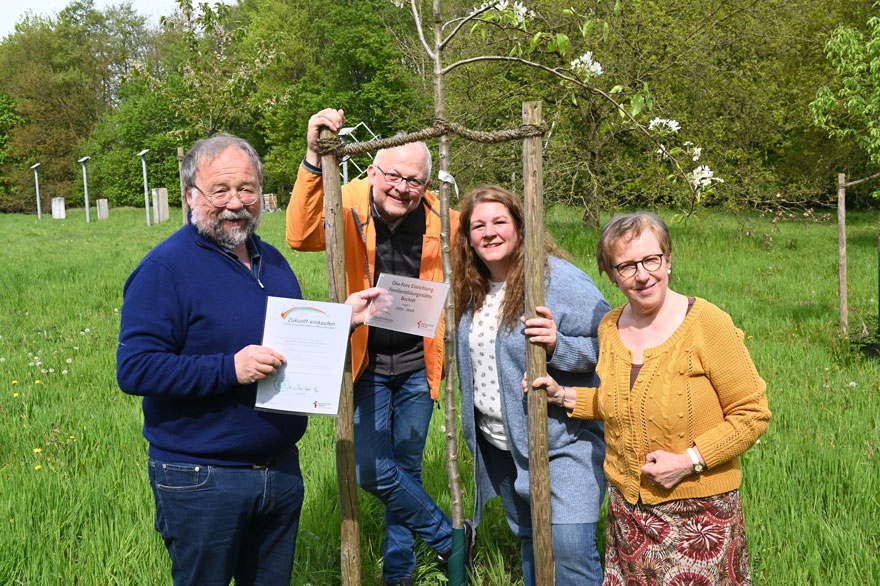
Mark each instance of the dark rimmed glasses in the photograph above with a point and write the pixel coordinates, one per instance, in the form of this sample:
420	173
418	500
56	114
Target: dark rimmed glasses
395	179
651	263
221	198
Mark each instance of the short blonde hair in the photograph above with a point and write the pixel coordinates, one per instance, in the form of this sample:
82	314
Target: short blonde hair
627	228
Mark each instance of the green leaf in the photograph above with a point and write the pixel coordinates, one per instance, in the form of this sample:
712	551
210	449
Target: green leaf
605	29
588	26
617	8
616	89
561	43
535	41
636	105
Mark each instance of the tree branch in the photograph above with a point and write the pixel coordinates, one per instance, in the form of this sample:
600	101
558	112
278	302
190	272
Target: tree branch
464	20
418	20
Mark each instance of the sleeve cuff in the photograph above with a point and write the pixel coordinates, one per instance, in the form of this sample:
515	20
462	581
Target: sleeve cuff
315	170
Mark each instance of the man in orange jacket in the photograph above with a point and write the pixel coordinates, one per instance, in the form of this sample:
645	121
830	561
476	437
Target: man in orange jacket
392	225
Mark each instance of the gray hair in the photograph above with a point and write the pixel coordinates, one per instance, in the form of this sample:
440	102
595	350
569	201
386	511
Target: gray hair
208	149
421	143
627	228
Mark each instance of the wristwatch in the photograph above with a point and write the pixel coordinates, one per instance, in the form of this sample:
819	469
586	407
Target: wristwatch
698	466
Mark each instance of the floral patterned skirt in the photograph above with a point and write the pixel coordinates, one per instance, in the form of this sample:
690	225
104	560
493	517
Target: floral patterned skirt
685	542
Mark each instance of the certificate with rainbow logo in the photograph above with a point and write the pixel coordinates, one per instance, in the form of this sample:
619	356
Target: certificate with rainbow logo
313	338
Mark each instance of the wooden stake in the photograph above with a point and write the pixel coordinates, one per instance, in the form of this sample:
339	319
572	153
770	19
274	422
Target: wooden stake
345	468
841	252
536	355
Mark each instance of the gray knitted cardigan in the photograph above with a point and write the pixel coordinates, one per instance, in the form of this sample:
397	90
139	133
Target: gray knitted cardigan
577	447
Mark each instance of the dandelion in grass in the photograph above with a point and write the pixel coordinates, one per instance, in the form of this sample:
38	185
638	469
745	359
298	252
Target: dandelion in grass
36	382
51	370
852	384
38	450
64	371
69	361
14	395
2	359
88	330
38	467
15	382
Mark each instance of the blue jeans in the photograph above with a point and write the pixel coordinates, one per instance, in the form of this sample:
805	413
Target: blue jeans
219	522
574	544
391	419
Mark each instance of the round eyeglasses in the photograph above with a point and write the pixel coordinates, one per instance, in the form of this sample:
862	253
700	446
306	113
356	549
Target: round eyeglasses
221	197
395	179
651	263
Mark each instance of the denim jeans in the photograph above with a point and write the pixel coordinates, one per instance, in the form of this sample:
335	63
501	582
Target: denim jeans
219	522
574	544
391	418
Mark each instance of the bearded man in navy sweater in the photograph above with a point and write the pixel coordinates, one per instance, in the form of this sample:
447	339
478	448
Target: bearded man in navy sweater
225	477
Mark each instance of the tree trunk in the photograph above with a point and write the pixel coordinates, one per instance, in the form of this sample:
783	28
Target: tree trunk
457	575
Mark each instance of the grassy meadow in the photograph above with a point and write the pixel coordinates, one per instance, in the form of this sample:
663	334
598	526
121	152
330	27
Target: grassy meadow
75	502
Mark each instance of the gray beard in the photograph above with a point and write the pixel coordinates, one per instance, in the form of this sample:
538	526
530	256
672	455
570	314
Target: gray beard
213	230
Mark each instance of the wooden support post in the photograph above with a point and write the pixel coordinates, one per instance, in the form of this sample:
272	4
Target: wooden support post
184	208
536	355
345	469
841	253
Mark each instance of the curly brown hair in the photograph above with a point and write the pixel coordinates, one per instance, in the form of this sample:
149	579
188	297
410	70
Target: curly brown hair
471	275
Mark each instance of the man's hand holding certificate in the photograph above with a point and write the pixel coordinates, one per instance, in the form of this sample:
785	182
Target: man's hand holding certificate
415	305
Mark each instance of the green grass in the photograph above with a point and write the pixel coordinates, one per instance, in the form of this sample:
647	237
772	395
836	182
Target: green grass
811	488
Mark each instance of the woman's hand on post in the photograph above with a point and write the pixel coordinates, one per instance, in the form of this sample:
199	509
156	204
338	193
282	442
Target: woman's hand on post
542	329
556	394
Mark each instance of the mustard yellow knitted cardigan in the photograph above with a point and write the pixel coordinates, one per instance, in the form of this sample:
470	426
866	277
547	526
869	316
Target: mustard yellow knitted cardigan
698	387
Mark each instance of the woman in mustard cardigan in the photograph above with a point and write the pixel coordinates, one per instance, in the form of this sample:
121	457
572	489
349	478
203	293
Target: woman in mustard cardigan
681	401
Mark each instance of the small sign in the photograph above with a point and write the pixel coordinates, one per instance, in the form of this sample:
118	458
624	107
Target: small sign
416	305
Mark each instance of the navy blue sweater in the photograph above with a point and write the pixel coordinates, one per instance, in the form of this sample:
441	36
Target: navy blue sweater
188	308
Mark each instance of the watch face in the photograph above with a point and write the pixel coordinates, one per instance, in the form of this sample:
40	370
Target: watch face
698	467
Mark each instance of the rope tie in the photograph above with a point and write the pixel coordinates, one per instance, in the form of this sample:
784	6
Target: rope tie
335	145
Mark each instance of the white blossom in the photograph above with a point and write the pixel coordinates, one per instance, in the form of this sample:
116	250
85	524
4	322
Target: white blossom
672	125
703	177
584	65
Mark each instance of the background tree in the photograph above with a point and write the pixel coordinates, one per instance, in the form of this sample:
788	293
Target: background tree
850	109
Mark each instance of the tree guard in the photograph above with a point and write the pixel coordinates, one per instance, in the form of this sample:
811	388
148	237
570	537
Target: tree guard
331	149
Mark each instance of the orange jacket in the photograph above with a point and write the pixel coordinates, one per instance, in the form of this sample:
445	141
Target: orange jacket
305	232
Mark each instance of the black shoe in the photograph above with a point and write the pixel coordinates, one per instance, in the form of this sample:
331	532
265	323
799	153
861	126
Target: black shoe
470	539
408	581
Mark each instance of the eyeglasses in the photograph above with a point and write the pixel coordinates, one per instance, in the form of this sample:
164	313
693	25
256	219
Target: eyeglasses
394	179
221	197
651	263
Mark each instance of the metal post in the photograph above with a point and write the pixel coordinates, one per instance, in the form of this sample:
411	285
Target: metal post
37	187
86	186
143	156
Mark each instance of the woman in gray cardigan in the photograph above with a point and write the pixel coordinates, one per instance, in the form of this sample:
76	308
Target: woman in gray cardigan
491	354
